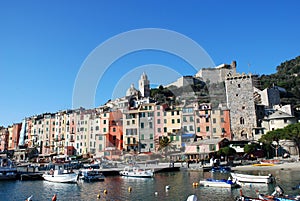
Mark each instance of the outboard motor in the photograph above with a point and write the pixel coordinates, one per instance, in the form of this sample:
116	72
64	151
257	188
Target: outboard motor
278	191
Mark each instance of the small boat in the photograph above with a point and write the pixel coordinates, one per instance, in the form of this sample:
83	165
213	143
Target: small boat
91	175
247	178
135	171
60	175
223	183
221	169
278	195
242	197
8	170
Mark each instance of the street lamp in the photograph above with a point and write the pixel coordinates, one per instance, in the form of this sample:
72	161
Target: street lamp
261	144
275	146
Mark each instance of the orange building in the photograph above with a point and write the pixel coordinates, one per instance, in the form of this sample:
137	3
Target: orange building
115	135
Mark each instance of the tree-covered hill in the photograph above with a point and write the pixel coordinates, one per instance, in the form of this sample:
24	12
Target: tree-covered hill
287	77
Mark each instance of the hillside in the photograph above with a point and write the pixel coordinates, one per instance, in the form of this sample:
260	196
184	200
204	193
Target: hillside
287	77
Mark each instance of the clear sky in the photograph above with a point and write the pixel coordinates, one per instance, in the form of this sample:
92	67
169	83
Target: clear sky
44	44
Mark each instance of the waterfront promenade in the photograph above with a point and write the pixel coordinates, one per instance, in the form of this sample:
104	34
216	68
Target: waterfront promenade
283	165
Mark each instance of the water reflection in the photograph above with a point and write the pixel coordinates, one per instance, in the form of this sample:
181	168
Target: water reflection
181	186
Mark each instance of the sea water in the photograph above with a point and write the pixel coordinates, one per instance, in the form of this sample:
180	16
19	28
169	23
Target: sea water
133	189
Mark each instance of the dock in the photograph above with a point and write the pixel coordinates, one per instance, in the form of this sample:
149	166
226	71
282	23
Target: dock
29	174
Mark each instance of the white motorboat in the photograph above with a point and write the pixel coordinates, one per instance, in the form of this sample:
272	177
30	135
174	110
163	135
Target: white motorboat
247	178
60	175
223	183
91	175
135	171
8	170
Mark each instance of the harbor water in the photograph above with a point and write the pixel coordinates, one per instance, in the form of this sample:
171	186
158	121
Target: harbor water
117	188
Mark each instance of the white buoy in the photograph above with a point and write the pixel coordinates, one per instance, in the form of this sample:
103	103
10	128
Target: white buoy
192	198
167	187
156	193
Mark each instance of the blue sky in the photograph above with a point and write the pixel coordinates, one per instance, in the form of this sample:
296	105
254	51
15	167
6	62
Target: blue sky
43	44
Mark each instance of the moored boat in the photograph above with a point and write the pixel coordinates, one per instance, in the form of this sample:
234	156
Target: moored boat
60	175
91	175
223	183
221	169
135	171
252	178
8	170
277	195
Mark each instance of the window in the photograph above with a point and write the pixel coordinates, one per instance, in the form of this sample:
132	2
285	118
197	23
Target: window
165	129
214	120
185	129
243	107
206	111
151	146
158	114
114	129
158	121
158	107
104	121
242	121
172	113
222	120
142	125
191	128
178	120
158	130
133	121
97	128
184	119
191	119
207	128
142	137
198	129
100	147
165	121
178	112
173	121
198	120
100	137
206	119
151	136
128	123
104	130
239	85
214	130
150	125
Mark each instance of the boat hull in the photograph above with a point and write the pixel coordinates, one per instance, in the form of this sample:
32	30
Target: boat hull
218	183
136	172
62	178
252	178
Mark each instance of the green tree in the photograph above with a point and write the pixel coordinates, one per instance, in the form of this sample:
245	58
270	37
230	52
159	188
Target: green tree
226	151
165	144
250	148
292	132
